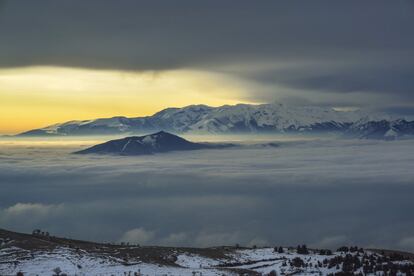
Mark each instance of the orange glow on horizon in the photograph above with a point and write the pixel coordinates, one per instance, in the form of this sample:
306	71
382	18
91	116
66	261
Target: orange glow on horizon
34	97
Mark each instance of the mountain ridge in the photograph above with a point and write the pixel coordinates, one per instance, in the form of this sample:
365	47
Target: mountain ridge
241	118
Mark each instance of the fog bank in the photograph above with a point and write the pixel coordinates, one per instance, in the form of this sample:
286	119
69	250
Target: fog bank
322	193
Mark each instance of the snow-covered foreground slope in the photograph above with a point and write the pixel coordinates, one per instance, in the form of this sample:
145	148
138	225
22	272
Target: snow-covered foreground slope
41	255
242	118
71	262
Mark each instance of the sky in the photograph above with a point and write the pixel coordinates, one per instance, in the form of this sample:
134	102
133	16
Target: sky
64	60
358	192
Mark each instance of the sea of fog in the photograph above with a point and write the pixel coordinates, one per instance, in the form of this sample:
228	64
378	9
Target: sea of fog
324	193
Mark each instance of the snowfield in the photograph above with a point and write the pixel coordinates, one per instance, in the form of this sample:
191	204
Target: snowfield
71	262
95	259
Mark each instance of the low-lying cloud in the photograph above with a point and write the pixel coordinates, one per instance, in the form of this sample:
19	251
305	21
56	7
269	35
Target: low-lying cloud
137	236
323	193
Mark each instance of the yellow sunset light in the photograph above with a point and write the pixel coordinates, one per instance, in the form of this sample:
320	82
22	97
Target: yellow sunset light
33	97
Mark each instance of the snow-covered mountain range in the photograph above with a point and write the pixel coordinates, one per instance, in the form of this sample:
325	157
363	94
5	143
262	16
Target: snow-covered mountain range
242	118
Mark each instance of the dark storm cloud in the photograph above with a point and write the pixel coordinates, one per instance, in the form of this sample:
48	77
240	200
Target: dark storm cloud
356	192
393	81
158	35
381	78
373	38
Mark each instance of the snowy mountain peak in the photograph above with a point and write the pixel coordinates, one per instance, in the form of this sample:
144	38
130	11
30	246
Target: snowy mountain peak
240	118
143	145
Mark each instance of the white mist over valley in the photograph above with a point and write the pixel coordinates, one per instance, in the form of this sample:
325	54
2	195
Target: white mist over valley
341	191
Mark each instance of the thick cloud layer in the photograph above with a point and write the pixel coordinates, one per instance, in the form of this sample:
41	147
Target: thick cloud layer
323	193
362	48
